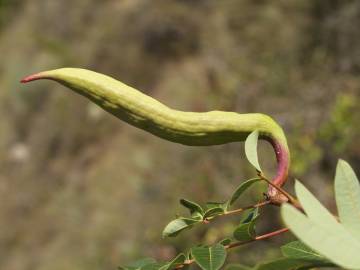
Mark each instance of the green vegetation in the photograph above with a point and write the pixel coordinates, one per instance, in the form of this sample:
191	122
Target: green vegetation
80	190
328	242
335	241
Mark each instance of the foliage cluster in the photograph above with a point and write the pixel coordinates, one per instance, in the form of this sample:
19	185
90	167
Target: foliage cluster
324	239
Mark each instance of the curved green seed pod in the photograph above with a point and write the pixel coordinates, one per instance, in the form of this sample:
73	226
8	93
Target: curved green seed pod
189	128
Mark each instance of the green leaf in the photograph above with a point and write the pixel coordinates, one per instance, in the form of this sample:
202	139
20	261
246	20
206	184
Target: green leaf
314	209
192	206
138	264
321	231
290	264
336	245
213	212
225	242
246	230
209	258
347	192
242	188
210	205
281	264
251	149
188	255
179	259
298	250
178	225
316	212
252	215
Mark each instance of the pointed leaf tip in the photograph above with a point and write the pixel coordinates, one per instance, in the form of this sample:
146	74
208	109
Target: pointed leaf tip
347	194
251	149
300	251
192	206
241	189
178	225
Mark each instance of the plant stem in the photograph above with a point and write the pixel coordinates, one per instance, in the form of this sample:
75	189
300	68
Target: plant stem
236	211
258	238
237	244
291	199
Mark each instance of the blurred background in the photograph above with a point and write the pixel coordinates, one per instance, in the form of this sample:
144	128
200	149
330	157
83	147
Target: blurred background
81	190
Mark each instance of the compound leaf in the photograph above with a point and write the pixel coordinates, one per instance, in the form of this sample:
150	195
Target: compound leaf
336	245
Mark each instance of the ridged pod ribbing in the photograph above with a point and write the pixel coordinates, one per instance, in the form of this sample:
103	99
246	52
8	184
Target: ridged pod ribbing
189	128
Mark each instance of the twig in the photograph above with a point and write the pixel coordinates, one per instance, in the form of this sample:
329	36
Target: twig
258	238
291	199
239	210
237	244
236	211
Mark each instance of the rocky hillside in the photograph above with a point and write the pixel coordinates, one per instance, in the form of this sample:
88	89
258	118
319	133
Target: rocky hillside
81	190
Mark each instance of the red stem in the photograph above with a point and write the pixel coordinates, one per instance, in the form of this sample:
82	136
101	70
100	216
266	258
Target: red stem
283	163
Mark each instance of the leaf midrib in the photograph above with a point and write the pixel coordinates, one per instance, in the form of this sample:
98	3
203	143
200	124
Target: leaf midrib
349	193
306	252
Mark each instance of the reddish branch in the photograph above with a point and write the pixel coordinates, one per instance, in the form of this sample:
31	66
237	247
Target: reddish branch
236	244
